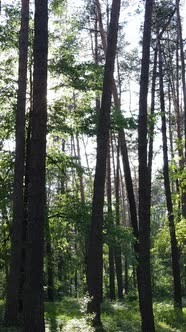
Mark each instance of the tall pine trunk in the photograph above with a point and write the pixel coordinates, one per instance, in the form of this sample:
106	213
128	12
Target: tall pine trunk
174	245
112	293
33	306
144	270
118	258
95	245
13	287
184	100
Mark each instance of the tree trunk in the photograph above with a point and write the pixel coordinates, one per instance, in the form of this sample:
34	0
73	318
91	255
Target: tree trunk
174	245
129	187
50	265
151	129
33	306
12	301
112	294
122	142
95	259
126	269
82	192
117	246
123	146
184	100
144	272
25	221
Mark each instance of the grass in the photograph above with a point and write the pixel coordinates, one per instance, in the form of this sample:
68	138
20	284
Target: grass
70	315
116	317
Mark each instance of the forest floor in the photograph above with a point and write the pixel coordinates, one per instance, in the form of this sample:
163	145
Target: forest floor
69	315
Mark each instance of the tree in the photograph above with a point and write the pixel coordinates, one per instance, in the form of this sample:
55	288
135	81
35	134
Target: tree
33	306
112	294
95	259
179	28
13	288
174	244
144	272
118	259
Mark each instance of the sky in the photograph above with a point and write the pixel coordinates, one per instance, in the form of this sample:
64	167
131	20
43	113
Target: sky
134	21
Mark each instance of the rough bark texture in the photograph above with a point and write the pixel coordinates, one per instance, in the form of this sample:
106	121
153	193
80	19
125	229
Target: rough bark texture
144	273
174	245
12	302
95	259
33	308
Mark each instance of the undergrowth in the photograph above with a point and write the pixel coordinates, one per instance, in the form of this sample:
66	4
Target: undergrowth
69	315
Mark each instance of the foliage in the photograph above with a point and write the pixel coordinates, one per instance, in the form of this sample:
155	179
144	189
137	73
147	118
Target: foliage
9	27
117	317
80	76
72	114
119	121
166	314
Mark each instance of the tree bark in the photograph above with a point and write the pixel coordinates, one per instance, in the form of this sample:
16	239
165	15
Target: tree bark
95	259
112	294
117	246
33	306
144	272
25	220
12	300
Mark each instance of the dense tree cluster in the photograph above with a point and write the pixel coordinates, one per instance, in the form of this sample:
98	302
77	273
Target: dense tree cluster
92	157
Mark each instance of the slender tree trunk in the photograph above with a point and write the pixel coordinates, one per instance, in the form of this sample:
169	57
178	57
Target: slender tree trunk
123	146
96	58
126	269
5	245
117	246
26	184
174	245
174	89
82	192
33	306
129	187
144	272
112	294
12	301
50	264
25	221
95	258
151	129
86	155
122	142
62	175
184	100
